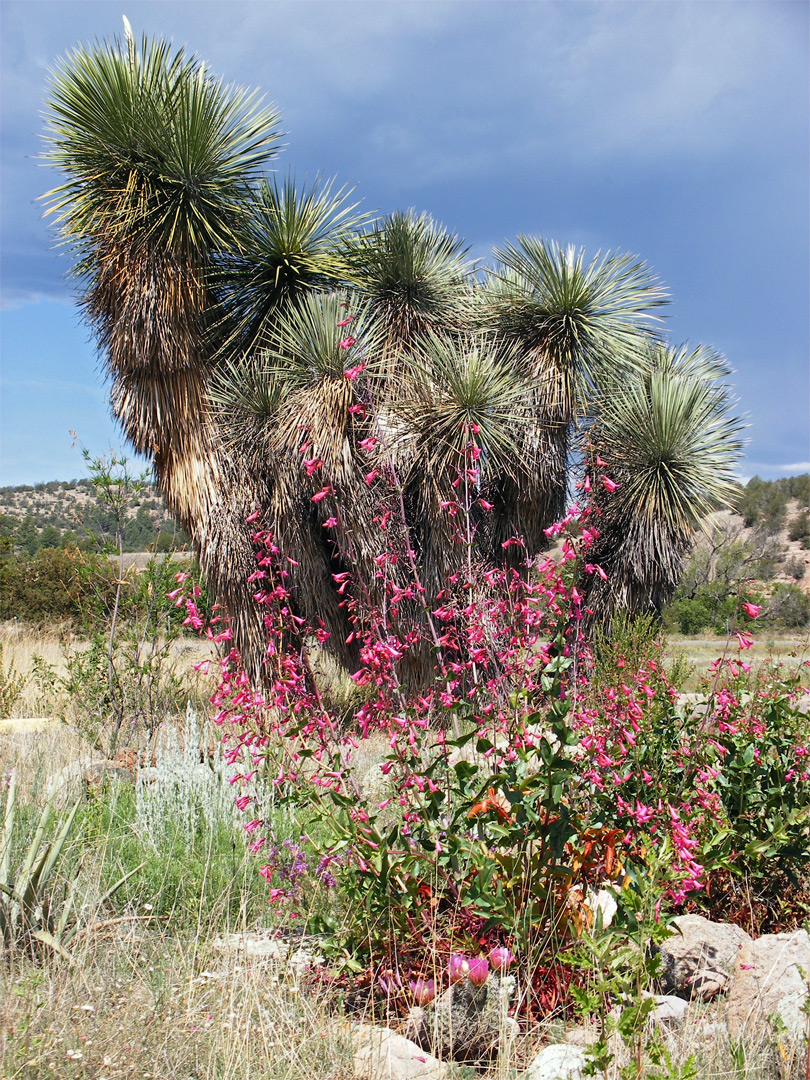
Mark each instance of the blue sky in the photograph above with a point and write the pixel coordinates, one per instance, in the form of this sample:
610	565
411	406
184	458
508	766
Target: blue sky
675	130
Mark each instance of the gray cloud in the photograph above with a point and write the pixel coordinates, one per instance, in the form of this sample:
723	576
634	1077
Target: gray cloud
408	97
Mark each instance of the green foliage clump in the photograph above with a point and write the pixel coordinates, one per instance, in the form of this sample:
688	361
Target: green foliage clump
179	875
764	502
787	606
56	585
799	528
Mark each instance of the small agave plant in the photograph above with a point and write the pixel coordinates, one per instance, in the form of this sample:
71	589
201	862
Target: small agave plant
32	907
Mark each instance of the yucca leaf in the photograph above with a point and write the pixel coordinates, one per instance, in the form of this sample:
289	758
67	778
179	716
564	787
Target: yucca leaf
413	276
67	904
290	242
29	888
6	838
454	386
155	148
572	318
34	852
58	844
9	891
48	939
672	441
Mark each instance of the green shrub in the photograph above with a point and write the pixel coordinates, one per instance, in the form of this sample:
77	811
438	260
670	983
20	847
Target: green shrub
788	606
799	527
56	584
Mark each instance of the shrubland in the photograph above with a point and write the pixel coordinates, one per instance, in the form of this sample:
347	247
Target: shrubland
479	819
407	834
449	761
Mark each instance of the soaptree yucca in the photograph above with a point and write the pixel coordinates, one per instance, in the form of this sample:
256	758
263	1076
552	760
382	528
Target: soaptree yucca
159	157
670	440
274	351
570	319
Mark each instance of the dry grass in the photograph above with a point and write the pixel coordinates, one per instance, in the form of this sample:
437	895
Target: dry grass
141	1002
141	1006
699	652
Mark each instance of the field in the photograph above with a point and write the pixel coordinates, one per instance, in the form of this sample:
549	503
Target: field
186	970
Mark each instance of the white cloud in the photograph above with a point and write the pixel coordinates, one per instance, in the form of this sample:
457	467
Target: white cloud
760	468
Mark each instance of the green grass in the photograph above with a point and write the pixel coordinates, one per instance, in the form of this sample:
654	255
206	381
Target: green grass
697	653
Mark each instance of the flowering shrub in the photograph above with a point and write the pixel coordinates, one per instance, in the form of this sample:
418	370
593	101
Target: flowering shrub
725	778
506	790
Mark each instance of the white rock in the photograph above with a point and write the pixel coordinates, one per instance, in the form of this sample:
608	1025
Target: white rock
559	1062
381	1054
264	945
770	978
605	901
669	1009
698	959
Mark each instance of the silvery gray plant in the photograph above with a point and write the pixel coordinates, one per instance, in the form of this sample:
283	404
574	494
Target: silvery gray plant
187	787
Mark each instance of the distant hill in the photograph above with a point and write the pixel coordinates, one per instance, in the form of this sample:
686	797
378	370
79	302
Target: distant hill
67	513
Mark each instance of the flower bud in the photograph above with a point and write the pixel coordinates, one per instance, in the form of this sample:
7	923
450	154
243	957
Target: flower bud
423	990
457	967
500	958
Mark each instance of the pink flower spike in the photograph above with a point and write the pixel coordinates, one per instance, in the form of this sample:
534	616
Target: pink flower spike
253	517
347	342
501	958
423	990
744	641
322	494
752	610
352	373
346	321
479	971
610	485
